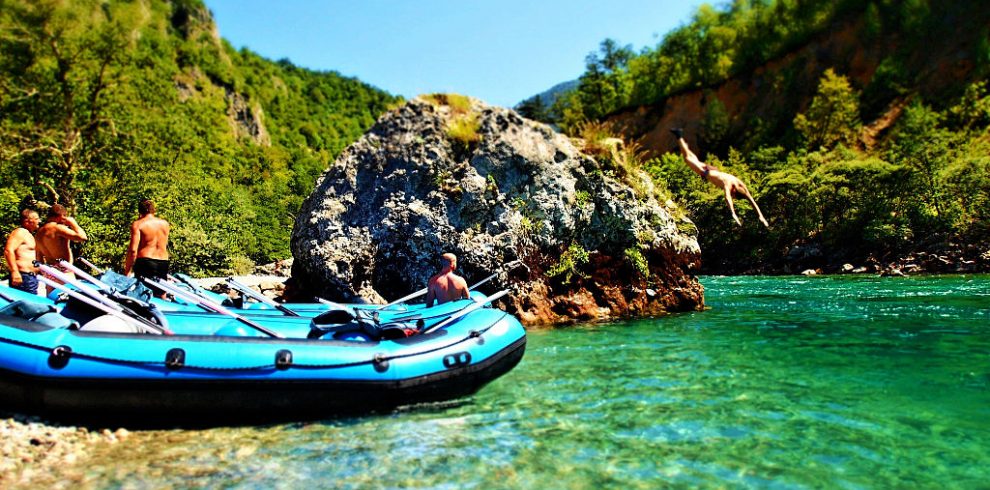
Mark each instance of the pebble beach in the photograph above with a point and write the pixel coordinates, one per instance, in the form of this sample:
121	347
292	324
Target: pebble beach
33	449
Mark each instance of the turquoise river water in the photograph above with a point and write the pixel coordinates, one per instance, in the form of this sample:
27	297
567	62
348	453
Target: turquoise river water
784	382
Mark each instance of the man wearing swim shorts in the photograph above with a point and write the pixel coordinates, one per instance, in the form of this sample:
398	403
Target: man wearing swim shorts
147	255
20	253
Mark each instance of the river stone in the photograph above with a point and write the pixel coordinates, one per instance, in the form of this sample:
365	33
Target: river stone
408	191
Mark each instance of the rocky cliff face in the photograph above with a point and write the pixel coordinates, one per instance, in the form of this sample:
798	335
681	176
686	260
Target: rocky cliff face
484	183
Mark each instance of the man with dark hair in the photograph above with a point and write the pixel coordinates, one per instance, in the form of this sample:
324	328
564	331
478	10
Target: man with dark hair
446	286
147	255
729	183
20	253
54	236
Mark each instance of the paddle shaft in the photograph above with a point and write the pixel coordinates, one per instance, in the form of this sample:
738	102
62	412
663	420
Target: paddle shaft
94	294
79	272
118	312
244	289
453	318
90	265
210	306
507	265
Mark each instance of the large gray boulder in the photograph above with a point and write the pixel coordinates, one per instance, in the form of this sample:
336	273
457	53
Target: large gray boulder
500	189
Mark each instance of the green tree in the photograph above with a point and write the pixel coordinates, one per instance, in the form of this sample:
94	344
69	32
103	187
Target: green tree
534	108
601	87
833	116
55	117
922	145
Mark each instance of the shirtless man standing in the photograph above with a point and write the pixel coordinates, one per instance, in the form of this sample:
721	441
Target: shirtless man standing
726	181
446	286
20	253
54	236
147	254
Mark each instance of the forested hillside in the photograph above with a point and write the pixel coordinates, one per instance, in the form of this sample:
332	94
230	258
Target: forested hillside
107	102
860	125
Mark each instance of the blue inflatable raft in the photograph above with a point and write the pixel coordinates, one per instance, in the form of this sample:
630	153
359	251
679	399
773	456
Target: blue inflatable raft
216	370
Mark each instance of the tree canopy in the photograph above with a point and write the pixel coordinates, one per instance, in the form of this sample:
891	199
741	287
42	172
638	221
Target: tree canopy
108	102
866	167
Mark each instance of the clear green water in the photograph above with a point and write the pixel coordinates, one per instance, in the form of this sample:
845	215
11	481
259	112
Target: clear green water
824	382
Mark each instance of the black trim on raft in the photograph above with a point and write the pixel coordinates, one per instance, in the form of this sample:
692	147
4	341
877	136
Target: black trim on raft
158	403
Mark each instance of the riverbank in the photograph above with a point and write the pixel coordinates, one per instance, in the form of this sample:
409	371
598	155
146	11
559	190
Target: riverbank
33	447
811	258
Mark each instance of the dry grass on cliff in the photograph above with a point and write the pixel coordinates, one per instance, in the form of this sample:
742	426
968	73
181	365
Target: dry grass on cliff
600	142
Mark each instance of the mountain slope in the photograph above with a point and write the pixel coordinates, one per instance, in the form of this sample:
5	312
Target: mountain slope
111	101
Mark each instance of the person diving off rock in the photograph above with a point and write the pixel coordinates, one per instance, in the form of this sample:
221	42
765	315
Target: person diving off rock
728	182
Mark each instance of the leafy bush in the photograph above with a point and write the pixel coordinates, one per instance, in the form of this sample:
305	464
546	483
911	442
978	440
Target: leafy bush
569	265
638	262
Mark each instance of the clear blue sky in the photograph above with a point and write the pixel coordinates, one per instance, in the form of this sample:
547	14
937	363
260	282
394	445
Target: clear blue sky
499	51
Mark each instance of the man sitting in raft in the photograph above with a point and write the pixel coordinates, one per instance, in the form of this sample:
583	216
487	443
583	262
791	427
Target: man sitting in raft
147	254
446	286
728	182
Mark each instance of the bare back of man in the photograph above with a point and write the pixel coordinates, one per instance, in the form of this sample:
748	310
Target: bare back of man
152	234
446	286
149	240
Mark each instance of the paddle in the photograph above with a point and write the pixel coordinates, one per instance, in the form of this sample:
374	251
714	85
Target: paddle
453	318
90	265
79	272
93	298
184	279
507	266
208	305
244	289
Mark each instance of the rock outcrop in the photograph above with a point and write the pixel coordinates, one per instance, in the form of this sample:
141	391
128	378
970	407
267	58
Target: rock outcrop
451	174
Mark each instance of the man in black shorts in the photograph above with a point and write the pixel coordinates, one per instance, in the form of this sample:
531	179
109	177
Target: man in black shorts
147	255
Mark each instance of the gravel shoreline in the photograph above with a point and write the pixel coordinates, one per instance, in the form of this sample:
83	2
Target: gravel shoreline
33	448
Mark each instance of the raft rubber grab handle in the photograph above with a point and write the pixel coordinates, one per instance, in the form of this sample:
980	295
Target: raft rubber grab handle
456	316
